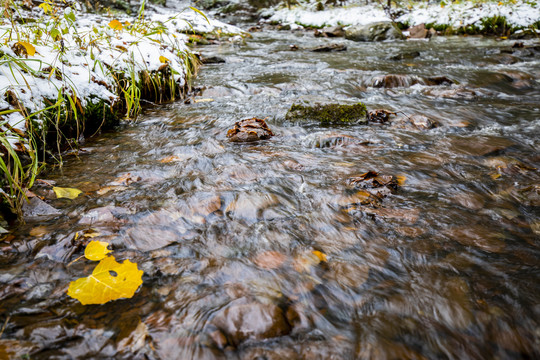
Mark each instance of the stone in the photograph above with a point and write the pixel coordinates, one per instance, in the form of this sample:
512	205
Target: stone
249	130
35	208
212	60
254	321
329	114
418	32
330	48
405	55
378	31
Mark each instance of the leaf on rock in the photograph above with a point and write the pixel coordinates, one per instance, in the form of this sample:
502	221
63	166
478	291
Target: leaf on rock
68	193
96	250
116	25
110	280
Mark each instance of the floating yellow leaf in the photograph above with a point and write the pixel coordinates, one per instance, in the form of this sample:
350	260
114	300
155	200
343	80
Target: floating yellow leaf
96	250
163	59
320	255
110	280
203	100
400	179
30	49
116	25
68	193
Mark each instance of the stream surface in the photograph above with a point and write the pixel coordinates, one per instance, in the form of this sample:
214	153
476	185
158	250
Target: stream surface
266	251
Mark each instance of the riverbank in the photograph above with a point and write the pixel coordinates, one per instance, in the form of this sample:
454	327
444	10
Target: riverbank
495	18
66	75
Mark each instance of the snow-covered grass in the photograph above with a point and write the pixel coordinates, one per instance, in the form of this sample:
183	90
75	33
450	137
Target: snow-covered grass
69	73
518	14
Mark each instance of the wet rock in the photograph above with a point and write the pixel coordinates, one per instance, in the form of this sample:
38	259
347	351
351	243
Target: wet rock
330	114
15	349
418	32
347	274
405	56
36	208
330	48
147	238
415	122
212	60
479	145
460	93
251	206
270	259
393	80
249	130
379	116
253	321
374	180
477	237
333	31
379	31
333	139
438	80
105	214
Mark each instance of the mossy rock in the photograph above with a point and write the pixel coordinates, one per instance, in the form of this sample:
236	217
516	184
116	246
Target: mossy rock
329	114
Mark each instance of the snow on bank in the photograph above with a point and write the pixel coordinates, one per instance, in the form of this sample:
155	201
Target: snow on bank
518	14
93	50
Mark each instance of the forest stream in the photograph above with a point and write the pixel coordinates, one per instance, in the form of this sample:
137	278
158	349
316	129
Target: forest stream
281	248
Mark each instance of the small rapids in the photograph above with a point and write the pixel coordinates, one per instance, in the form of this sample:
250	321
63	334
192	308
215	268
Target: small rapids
268	250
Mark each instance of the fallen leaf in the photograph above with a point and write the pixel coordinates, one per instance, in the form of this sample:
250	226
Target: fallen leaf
38	231
68	193
163	59
110	280
30	49
96	250
116	25
203	100
170	159
400	179
106	189
125	179
322	256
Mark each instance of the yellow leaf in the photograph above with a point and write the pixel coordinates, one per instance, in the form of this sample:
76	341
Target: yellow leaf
68	193
47	8
320	255
163	59
109	281
30	49
116	25
203	100
401	179
96	250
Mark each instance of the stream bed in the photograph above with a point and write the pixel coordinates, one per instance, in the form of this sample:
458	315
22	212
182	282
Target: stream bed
267	250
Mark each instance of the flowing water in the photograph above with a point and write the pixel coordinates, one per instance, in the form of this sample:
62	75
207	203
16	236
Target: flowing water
266	251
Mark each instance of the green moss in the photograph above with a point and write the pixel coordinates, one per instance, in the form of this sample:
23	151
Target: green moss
330	114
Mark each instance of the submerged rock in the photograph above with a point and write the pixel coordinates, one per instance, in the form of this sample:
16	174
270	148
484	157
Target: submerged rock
379	31
330	114
396	80
36	207
249	130
333	31
415	122
256	321
330	48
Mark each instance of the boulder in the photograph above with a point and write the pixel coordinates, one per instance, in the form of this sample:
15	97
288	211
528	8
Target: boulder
330	48
330	114
378	31
418	32
256	321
